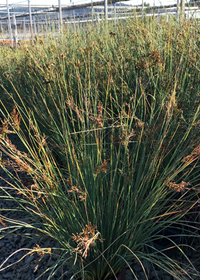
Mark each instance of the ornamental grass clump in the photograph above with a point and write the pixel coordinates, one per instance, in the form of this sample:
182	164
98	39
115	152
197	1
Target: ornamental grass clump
109	194
106	145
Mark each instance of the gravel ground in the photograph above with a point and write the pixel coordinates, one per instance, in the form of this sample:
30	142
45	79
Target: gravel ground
24	270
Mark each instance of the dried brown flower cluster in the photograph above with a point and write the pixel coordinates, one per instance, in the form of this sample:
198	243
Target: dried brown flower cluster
102	168
16	118
8	124
98	120
179	187
126	138
20	160
85	239
4	129
71	104
193	156
40	252
81	194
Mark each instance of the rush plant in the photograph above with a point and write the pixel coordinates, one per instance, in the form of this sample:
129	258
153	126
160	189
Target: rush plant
111	190
106	150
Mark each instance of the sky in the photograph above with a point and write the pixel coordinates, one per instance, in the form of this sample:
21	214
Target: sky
67	2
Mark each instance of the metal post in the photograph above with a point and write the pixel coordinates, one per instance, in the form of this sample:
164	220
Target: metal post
142	7
92	10
38	26
9	24
60	16
24	27
46	23
31	24
15	30
74	20
98	20
50	23
115	13
182	9
106	9
35	29
1	28
58	23
178	9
